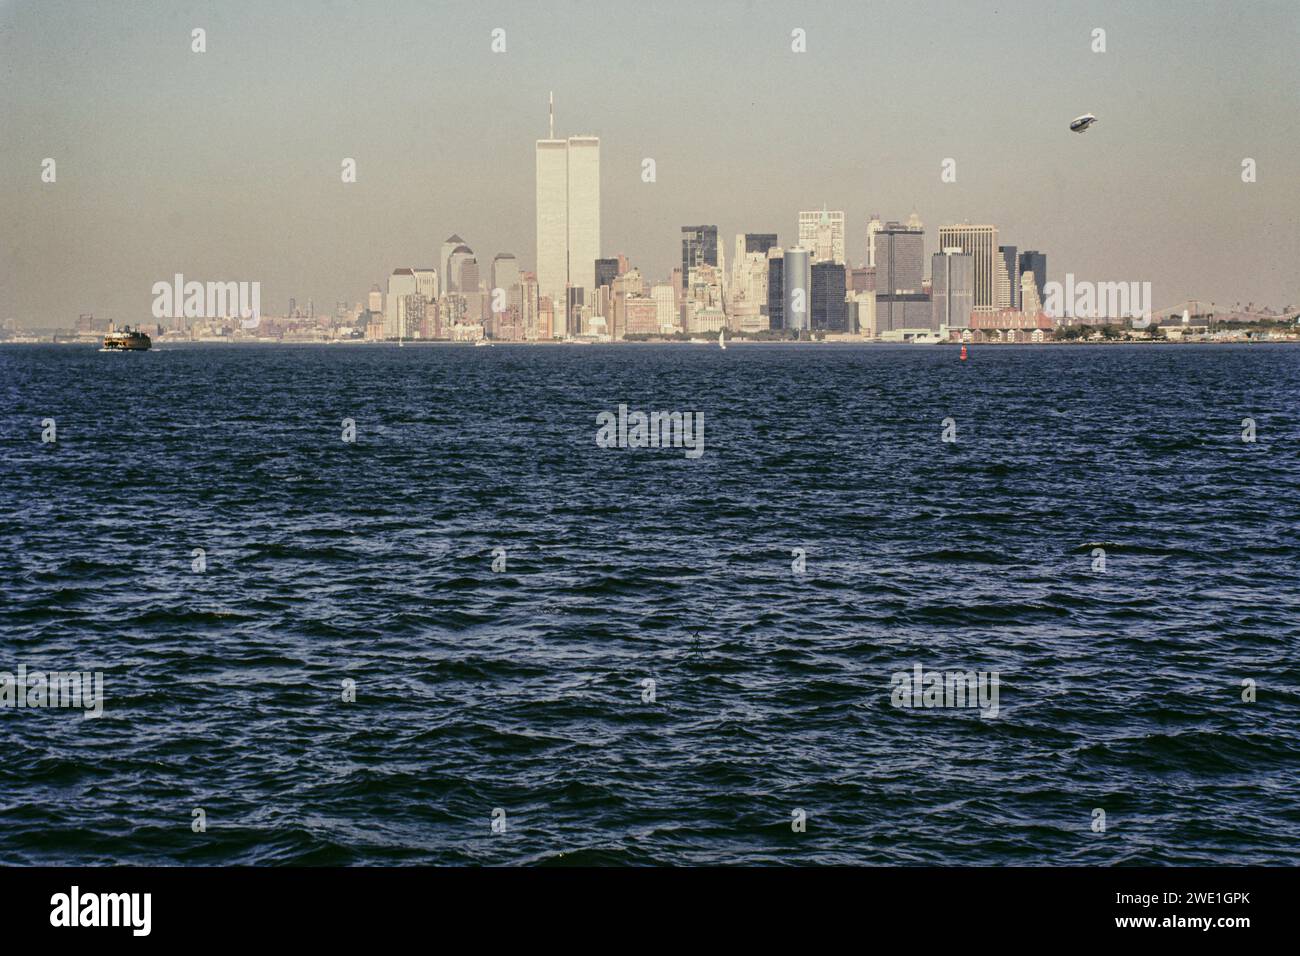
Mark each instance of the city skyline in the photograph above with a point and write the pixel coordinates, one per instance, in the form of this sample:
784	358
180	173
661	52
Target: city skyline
181	183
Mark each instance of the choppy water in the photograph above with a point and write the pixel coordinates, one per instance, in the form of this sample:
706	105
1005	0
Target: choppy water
522	689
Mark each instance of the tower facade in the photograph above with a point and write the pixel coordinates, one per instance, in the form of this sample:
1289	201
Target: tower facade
981	242
568	219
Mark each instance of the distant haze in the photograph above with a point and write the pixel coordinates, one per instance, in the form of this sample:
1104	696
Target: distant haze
226	164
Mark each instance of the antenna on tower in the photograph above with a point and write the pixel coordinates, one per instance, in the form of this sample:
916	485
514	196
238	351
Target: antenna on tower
552	114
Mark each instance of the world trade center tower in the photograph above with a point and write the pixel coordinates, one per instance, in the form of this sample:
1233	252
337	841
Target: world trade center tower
568	218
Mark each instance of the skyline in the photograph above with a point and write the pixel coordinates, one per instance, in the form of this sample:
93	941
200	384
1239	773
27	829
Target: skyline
159	173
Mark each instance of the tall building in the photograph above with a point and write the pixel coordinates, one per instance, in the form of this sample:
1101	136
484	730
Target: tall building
1029	300
1010	298
553	218
776	288
900	259
375	302
467	275
952	288
584	210
455	264
1036	263
822	233
568	217
798	289
902	301
873	227
665	307
426	283
827	297
529	308
607	270
505	271
759	242
981	242
444	260
402	289
699	248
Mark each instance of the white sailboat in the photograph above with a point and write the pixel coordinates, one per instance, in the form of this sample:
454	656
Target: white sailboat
722	338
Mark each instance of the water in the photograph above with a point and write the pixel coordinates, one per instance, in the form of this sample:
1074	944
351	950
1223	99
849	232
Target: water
522	689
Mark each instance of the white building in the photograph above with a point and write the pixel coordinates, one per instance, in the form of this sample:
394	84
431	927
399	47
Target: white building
873	227
584	211
401	283
665	297
822	233
568	218
444	260
426	283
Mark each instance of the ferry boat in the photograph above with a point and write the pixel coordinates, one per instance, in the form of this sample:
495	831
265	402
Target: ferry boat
126	340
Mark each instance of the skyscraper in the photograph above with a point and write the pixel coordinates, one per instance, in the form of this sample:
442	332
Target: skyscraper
982	243
402	288
1010	299
1035	262
827	298
699	247
822	234
798	288
553	218
444	259
426	282
606	272
505	271
759	241
568	217
900	259
665	307
952	288
776	288
873	227
584	210
455	264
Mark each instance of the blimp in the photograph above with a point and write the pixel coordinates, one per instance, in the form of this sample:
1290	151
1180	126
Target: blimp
1080	124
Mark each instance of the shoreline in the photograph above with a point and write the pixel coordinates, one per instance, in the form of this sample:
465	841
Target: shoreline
736	342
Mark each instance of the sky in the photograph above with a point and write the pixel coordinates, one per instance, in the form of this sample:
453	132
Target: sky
225	165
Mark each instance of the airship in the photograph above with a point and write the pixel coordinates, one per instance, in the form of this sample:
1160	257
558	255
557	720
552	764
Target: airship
1080	124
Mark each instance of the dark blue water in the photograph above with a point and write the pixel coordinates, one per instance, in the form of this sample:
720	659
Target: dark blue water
521	690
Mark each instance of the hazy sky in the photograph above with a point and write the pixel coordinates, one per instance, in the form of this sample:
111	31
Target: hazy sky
226	164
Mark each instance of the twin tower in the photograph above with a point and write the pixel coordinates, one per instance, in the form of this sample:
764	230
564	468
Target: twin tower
568	220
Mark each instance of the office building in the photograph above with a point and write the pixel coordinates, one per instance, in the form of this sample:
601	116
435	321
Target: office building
822	234
568	217
798	288
1008	287
980	242
1036	263
827	297
776	288
699	247
952	289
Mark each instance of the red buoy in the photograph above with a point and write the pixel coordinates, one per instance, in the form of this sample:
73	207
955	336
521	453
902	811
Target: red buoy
963	352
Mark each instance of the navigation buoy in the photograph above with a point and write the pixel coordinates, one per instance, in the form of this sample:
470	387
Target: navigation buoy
963	353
